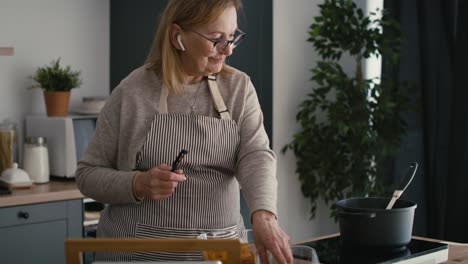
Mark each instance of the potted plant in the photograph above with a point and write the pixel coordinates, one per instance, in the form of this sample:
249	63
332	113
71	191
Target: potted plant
349	126
57	82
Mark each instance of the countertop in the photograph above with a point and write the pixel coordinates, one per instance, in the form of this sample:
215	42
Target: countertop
67	190
457	254
55	190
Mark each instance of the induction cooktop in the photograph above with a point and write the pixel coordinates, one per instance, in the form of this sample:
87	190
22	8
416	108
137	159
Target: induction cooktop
332	251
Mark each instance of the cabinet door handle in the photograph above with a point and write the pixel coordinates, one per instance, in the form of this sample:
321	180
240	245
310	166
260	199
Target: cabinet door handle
24	215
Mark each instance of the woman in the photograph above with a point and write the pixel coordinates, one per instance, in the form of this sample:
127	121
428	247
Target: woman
184	97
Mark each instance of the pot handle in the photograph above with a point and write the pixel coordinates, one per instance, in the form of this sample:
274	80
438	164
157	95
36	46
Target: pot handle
368	215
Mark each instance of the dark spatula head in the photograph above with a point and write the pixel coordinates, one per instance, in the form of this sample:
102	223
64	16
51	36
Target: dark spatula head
408	177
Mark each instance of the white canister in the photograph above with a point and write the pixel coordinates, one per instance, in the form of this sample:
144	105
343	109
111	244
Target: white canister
36	159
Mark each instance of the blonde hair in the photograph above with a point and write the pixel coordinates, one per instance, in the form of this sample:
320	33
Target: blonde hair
163	57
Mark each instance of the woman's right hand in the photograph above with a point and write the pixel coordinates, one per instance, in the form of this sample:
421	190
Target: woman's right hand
157	183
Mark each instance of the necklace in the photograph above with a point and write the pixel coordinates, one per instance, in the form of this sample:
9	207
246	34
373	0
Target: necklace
193	106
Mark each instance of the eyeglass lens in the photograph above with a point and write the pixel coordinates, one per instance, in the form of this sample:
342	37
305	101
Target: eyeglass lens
222	44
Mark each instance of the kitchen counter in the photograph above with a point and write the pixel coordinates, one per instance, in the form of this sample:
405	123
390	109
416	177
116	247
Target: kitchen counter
55	190
457	254
49	212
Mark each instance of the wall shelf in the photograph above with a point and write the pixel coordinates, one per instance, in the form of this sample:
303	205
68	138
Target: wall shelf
7	51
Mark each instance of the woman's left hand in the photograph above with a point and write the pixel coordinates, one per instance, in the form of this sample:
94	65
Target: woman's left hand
269	236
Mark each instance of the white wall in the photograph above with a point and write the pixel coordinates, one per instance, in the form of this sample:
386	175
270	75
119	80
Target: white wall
293	57
41	31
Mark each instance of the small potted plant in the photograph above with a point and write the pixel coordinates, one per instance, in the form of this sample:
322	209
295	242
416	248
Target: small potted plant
57	82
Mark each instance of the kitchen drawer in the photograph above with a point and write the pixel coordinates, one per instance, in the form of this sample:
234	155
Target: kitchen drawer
30	214
35	243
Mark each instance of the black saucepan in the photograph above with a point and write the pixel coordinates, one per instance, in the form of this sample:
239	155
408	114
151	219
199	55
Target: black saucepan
364	222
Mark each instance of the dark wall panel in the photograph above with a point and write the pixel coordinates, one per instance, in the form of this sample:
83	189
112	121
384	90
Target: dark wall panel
132	27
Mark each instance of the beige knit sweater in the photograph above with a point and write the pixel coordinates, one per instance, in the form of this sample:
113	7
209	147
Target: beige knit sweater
106	170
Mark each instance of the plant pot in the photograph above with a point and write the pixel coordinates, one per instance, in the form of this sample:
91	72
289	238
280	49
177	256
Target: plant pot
57	103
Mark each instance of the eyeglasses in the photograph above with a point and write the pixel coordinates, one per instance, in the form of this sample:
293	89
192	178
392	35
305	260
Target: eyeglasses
222	43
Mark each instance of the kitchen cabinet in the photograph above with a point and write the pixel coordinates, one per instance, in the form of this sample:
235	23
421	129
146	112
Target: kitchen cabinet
35	233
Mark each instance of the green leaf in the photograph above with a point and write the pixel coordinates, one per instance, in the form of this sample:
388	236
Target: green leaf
57	78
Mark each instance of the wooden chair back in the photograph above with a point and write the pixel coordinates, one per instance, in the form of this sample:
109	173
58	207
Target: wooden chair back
74	247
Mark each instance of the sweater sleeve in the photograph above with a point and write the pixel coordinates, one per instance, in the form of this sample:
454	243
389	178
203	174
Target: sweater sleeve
256	161
97	174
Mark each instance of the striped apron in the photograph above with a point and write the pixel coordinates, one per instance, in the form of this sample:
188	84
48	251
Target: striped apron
208	201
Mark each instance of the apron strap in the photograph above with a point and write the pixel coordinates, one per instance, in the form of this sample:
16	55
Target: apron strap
217	98
215	95
163	100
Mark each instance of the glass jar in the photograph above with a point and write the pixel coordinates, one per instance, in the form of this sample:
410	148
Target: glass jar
8	144
36	159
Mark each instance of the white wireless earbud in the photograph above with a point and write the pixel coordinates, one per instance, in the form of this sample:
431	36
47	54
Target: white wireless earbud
180	43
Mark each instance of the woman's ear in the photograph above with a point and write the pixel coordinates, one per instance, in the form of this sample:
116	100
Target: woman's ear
176	39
